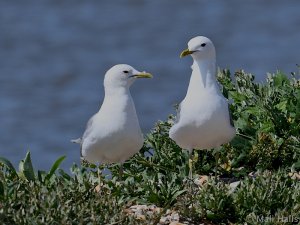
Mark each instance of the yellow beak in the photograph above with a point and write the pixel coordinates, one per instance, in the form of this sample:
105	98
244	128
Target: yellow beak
142	75
186	52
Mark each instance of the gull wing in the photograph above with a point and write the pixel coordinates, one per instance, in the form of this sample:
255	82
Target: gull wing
88	128
77	141
178	110
85	134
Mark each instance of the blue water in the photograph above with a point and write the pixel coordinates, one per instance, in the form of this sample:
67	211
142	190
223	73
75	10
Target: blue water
53	55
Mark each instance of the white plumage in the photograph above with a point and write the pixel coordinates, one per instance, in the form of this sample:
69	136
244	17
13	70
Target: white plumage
113	134
203	120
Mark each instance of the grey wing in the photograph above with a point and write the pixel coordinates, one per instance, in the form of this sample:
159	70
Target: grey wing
88	128
87	131
85	134
178	114
77	141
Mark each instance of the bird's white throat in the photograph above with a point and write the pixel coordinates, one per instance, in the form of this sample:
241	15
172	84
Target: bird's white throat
203	77
116	90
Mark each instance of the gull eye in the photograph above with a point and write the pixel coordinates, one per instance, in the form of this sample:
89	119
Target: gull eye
125	71
203	45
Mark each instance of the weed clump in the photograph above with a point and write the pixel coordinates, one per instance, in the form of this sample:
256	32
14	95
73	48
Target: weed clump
257	182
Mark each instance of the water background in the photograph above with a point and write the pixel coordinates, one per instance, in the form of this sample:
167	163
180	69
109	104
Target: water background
53	55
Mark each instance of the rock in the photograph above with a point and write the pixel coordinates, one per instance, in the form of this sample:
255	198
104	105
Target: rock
140	212
176	223
233	186
170	216
295	175
201	180
141	217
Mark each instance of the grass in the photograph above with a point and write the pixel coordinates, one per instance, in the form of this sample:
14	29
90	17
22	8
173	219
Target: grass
260	158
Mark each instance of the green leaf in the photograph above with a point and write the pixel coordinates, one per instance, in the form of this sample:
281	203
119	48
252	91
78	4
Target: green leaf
9	165
211	215
41	175
241	123
55	167
280	79
266	127
253	110
296	165
282	106
26	168
237	97
64	174
178	193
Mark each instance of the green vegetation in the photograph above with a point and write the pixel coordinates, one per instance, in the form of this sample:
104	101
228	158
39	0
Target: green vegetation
262	159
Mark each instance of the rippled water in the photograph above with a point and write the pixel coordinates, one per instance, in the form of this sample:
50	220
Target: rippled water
53	55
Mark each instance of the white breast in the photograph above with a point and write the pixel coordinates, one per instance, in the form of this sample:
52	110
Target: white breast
116	134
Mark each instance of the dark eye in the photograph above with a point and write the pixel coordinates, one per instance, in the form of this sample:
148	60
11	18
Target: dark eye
203	45
125	71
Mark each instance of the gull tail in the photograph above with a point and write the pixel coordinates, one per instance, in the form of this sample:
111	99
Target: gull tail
77	141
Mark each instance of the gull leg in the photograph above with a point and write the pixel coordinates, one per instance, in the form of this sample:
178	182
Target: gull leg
99	175
121	171
98	187
217	155
190	163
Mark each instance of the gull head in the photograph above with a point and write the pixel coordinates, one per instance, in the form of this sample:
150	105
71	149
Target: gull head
123	75
200	48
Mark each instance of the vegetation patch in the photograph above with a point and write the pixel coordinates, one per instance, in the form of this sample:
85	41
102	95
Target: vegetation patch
257	173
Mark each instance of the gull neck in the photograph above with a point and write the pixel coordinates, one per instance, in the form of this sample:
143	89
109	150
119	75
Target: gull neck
203	76
116	90
116	99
